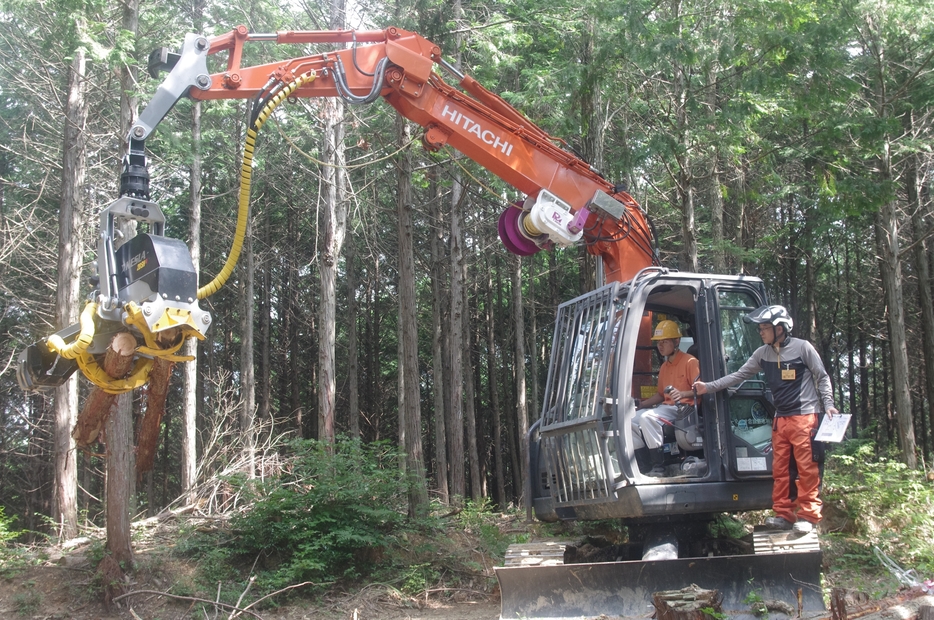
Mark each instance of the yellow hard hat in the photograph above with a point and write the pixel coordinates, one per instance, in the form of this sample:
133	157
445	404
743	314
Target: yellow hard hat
665	330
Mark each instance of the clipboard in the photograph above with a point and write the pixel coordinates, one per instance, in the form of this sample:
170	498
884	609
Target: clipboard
833	429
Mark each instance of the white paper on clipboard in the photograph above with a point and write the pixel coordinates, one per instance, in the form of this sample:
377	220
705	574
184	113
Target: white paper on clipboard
833	429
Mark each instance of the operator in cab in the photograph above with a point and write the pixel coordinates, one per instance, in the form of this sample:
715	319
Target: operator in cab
675	377
800	388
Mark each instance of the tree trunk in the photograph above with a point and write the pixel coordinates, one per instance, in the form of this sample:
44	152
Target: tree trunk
120	480
437	340
147	437
922	268
591	108
334	224
247	369
353	364
70	254
118	361
410	394
522	414
456	335
291	326
685	176
264	410
852	365
890	266
714	194
492	372
189	370
189	452
470	407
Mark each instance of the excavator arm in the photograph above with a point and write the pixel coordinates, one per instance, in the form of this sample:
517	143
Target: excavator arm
567	202
399	66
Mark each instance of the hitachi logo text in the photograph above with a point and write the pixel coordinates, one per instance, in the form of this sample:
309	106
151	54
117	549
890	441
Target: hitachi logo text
474	127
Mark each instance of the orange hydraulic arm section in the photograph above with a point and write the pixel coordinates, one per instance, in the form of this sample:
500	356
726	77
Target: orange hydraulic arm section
148	283
569	200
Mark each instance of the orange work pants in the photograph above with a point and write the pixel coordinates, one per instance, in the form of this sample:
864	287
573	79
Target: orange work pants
791	439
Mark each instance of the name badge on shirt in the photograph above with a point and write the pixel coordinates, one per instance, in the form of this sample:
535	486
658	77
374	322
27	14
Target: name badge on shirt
788	374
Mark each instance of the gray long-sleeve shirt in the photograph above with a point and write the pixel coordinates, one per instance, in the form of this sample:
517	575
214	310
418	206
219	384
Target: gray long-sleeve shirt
794	373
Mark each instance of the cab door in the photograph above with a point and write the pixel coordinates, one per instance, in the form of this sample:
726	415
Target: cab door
746	411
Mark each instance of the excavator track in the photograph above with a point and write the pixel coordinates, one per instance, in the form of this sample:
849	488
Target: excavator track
535	583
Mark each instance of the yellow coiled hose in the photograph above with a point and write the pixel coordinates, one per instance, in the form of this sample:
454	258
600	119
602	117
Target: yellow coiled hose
246	173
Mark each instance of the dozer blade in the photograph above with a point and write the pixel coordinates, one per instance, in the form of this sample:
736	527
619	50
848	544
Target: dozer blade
609	590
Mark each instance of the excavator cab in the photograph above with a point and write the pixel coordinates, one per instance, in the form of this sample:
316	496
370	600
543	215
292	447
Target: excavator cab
603	361
717	455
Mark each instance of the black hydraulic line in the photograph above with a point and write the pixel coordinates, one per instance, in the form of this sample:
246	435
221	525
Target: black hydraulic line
354	56
340	81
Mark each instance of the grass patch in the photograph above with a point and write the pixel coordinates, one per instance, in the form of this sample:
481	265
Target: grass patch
875	502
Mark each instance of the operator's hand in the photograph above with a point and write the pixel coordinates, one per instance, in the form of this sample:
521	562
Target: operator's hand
676	395
700	387
831	412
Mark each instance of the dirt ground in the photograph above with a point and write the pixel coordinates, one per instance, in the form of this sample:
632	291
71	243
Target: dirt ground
62	583
62	588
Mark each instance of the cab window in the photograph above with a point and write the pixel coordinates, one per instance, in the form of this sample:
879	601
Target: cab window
740	338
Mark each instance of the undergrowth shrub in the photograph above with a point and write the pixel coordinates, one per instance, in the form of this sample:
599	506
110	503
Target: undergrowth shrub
328	516
6	528
887	505
477	518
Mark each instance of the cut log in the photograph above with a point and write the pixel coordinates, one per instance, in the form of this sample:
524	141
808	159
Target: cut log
690	603
118	361
147	438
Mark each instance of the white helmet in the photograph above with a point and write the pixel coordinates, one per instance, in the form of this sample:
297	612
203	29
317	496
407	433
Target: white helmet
774	315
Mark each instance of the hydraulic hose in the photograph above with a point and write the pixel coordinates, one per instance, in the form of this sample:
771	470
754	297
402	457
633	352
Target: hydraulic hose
78	350
74	350
340	81
246	172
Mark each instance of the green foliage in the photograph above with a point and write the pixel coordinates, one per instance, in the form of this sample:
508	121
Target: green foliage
880	503
6	528
329	516
756	604
477	518
27	603
713	613
726	526
419	577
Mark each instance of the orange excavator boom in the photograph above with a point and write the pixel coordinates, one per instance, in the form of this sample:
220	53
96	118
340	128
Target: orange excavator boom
569	201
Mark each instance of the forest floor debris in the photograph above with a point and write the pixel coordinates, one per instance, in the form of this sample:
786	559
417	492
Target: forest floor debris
62	582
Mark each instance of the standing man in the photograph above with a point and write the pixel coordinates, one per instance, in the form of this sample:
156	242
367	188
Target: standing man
800	388
677	373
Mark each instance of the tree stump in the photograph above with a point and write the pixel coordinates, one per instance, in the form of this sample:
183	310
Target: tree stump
838	604
690	603
926	612
118	361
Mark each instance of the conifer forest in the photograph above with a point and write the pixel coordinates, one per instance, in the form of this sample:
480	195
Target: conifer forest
373	299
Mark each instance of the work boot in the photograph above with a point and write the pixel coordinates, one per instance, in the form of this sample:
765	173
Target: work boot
778	523
642	459
657	459
803	527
